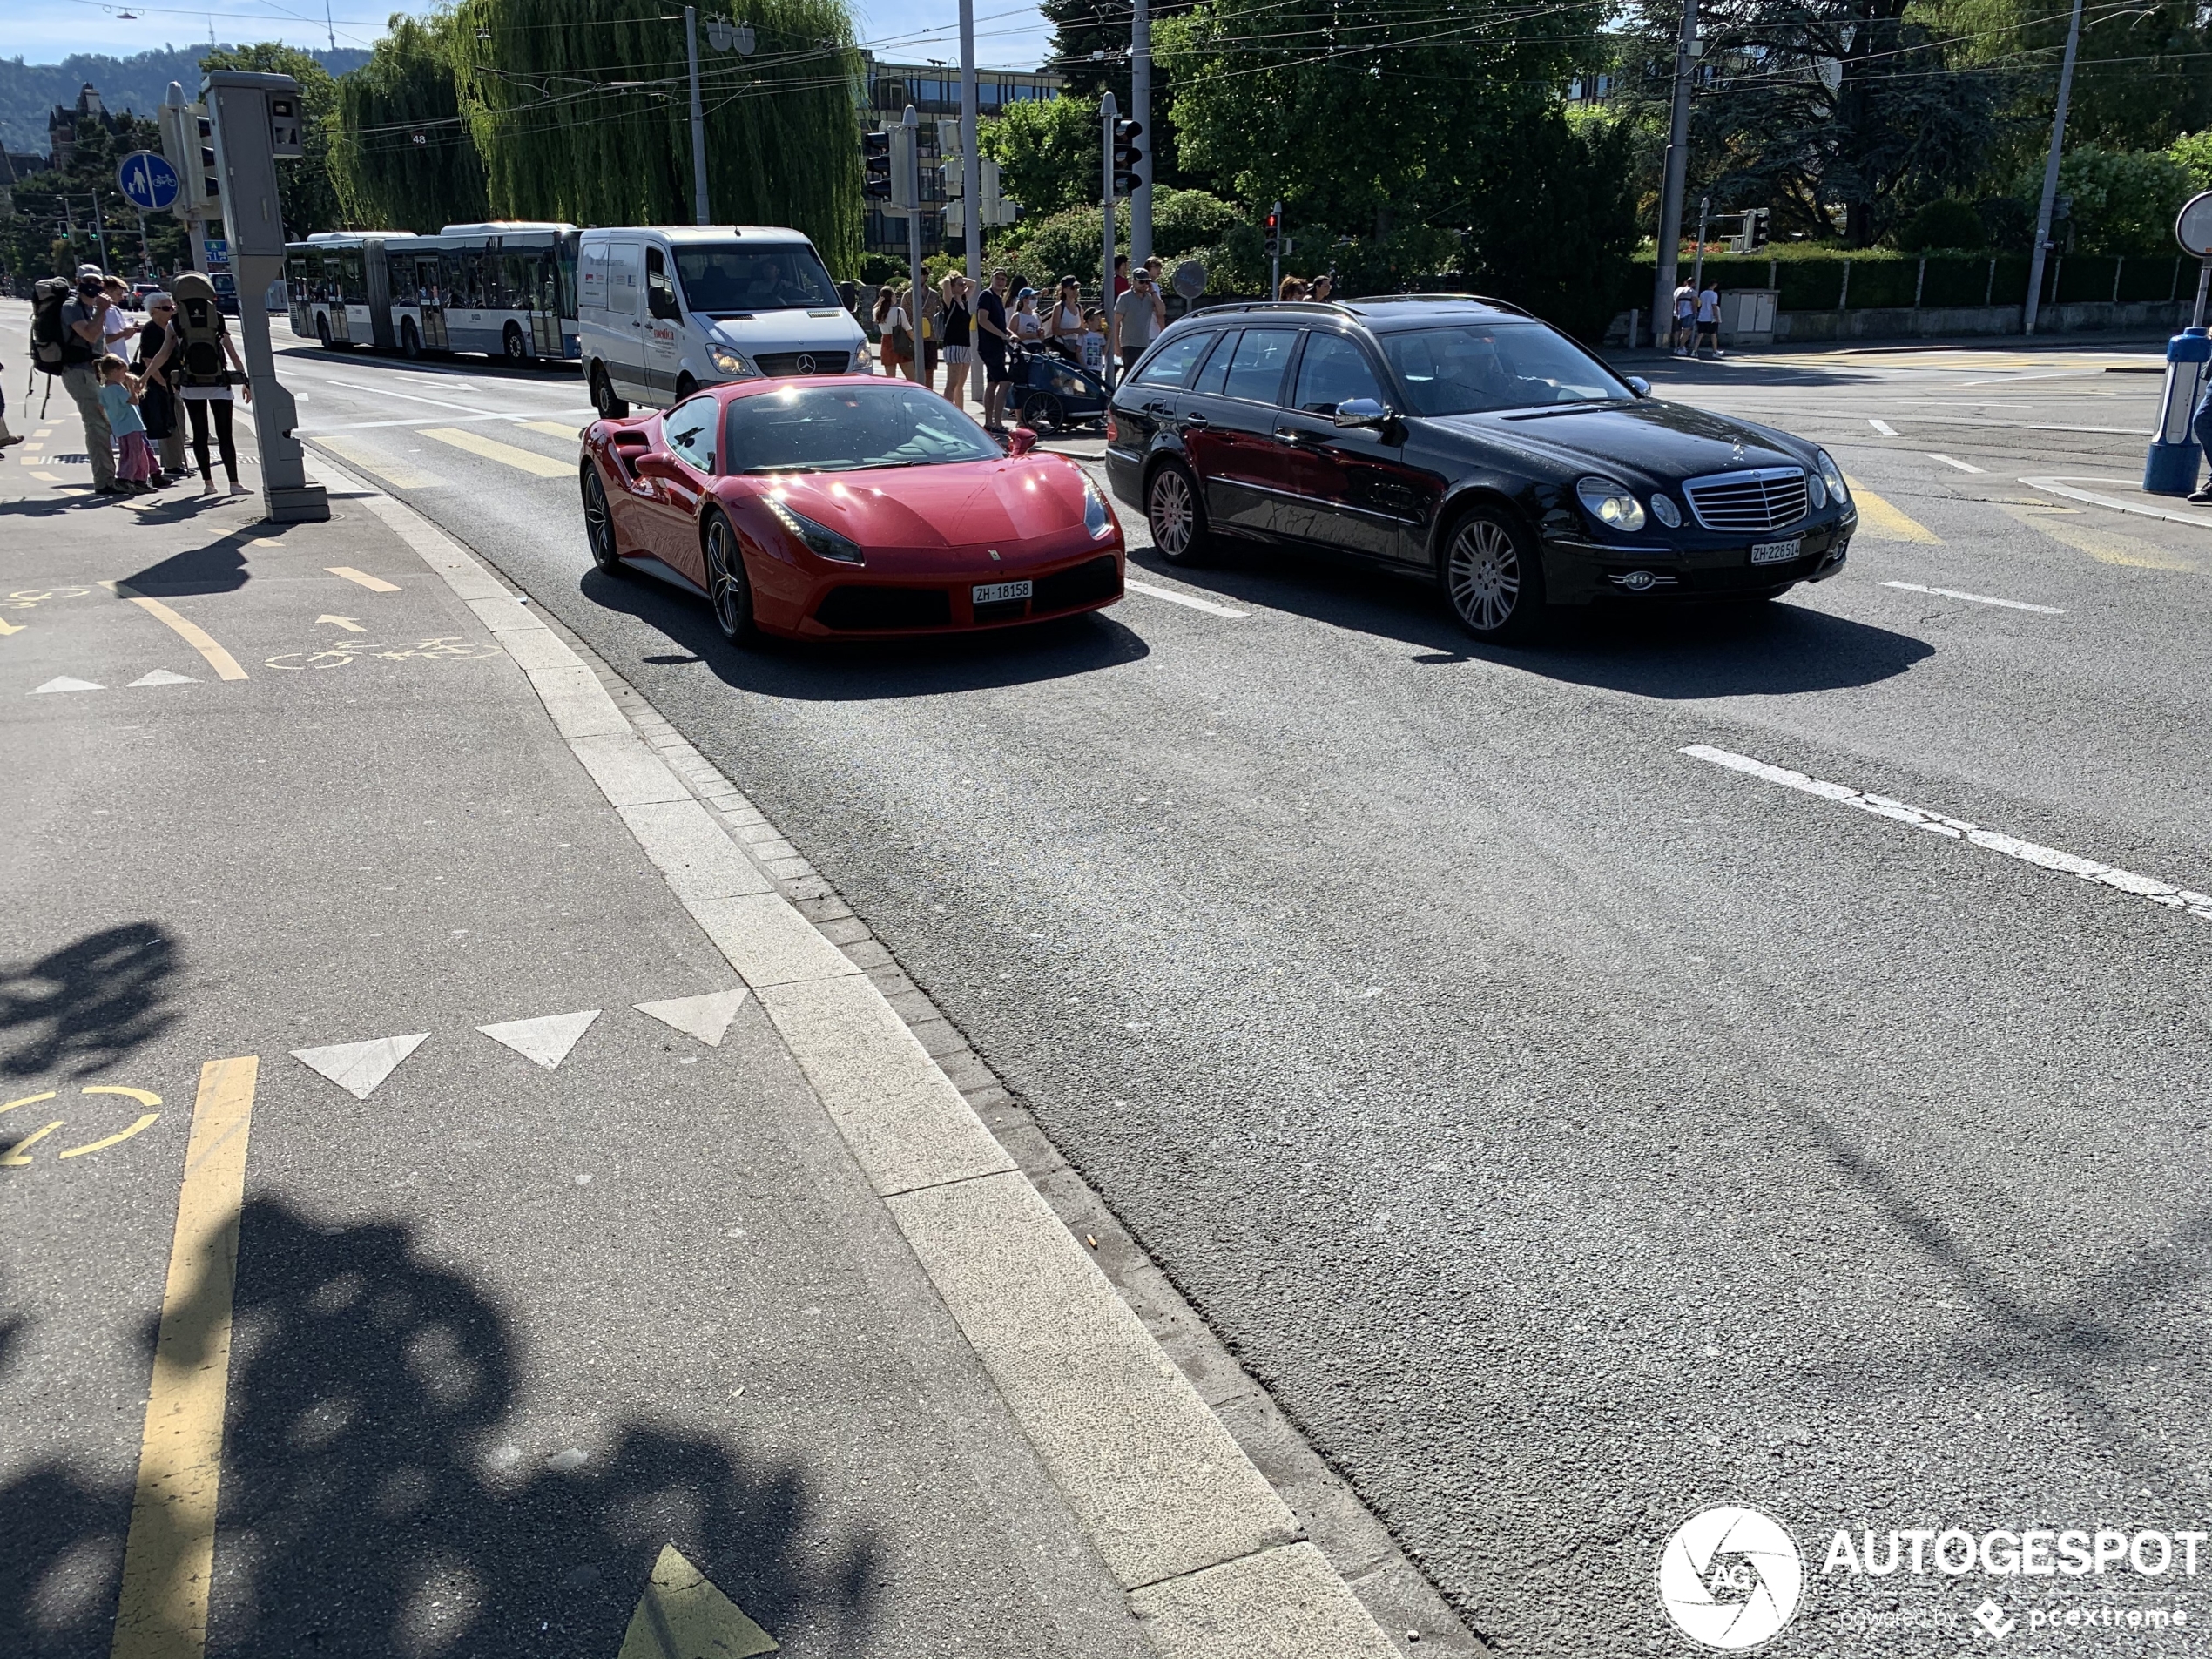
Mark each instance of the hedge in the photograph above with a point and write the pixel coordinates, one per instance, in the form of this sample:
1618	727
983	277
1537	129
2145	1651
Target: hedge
1882	279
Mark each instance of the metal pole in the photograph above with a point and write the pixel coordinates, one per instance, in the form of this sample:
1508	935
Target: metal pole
2203	283
99	233
699	119
2051	175
1275	261
915	272
1140	102
146	254
1108	113
1697	268
1670	191
971	161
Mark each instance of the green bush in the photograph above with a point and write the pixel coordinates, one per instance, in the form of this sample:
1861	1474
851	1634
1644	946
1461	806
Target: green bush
1943	223
2192	151
2124	201
1955	280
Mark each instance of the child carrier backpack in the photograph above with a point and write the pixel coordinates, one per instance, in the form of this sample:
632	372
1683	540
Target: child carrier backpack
49	352
199	332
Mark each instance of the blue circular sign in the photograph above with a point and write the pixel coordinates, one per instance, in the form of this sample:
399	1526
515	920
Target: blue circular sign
148	183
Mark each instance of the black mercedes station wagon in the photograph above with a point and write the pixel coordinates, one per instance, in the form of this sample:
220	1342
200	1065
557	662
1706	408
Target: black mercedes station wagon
1463	438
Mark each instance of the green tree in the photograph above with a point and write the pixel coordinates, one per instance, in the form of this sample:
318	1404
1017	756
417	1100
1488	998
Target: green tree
1050	153
403	156
581	112
50	232
2123	200
2193	151
306	190
1090	48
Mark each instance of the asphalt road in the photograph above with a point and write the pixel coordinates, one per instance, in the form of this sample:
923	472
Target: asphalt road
1569	1130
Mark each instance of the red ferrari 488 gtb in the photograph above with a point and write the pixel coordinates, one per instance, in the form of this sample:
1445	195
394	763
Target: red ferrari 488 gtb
846	507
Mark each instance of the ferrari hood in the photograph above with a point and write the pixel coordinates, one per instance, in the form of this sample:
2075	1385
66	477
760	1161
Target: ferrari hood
1007	502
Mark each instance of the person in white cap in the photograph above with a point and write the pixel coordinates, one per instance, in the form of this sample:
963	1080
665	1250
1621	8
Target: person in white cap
83	343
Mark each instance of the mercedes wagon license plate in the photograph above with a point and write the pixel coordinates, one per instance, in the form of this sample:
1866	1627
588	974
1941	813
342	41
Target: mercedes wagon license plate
1777	552
991	593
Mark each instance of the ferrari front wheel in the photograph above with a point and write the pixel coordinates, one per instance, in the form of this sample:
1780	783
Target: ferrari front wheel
728	589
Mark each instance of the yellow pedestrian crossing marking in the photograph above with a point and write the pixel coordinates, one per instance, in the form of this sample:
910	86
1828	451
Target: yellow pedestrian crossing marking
491	449
683	1614
373	583
393	472
1879	521
552	429
2107	547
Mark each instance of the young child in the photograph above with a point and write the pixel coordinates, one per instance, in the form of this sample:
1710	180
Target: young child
1027	327
119	389
1094	340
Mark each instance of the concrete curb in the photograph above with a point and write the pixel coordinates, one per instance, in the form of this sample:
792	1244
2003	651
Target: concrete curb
1214	1560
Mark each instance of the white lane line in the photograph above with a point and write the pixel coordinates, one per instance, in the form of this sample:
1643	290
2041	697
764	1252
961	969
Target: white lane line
1957	829
437	402
1953	461
1977	598
582	411
1173	598
1882	427
2056	487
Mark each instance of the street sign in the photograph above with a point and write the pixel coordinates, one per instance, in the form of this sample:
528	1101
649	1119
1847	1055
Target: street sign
2192	230
1190	278
218	250
148	182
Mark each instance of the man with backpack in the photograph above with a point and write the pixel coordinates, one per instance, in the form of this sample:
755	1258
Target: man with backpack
68	338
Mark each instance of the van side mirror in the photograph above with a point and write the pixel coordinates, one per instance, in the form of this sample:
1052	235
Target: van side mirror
660	303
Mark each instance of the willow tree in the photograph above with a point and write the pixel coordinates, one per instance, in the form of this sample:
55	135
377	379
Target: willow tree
581	109
404	158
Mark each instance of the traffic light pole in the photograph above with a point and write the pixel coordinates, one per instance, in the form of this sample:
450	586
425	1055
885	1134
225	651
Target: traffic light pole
912	123
1108	113
2051	176
971	163
1275	255
699	119
1140	101
1677	168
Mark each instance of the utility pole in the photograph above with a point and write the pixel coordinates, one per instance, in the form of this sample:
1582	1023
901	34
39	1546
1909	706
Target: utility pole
912	157
1108	112
1275	255
699	119
1670	191
1140	100
971	162
2051	175
330	26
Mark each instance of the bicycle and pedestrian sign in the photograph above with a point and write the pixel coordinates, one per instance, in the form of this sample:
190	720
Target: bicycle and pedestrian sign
147	180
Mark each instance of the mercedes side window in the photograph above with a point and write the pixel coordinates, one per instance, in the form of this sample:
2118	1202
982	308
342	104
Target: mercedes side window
689	429
660	288
1173	360
1334	370
1216	367
1256	366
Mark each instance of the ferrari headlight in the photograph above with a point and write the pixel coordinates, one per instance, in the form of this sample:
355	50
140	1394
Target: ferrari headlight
1663	510
1833	475
1610	504
1096	519
731	363
819	540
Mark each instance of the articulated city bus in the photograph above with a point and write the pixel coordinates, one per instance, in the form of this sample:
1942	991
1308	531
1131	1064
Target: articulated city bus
505	289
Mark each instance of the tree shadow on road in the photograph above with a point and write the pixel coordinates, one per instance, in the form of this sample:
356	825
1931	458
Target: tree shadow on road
88	1004
380	1496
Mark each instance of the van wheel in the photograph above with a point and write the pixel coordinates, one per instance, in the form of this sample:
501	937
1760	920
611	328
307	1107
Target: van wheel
610	408
410	341
685	387
518	349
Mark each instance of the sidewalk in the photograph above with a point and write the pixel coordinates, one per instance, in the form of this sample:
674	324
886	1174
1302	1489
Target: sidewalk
616	1272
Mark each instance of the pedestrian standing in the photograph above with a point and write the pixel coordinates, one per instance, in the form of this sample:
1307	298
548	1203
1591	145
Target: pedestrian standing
1324	287
83	343
1685	317
1709	320
2201	428
1063	329
157	405
928	325
1094	328
1138	317
992	338
1027	326
202	363
117	326
8	440
1292	288
1121	275
896	332
119	390
959	350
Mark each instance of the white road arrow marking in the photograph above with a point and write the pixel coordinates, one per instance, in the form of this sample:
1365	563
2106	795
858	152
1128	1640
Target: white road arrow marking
705	1017
357	1068
546	1040
164	676
346	623
64	684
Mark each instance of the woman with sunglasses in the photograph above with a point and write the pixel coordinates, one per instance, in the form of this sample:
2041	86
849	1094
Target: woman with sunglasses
1063	329
157	405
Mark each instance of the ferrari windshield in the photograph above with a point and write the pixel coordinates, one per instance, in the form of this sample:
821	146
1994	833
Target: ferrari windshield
1481	366
849	426
729	279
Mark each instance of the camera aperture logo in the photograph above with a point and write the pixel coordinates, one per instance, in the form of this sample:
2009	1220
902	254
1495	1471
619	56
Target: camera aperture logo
1731	1578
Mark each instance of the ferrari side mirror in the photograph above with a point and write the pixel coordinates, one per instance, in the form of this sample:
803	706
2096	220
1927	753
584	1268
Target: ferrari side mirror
1020	441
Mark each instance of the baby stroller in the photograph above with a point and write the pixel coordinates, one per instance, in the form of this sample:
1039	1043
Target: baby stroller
1049	394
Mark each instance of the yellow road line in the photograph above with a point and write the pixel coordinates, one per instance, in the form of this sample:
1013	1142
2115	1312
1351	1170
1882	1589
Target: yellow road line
169	1559
18	1156
149	1119
491	449
373	583
553	428
46	477
2107	547
192	633
370	458
1883	522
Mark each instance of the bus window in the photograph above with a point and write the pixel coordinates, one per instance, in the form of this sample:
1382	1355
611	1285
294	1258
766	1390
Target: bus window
565	268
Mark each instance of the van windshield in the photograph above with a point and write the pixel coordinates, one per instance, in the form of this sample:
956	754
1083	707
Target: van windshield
731	279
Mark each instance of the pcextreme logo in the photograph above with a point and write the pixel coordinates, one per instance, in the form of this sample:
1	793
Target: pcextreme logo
1731	1578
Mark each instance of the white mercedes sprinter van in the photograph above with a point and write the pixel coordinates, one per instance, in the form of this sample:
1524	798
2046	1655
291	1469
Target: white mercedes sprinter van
664	310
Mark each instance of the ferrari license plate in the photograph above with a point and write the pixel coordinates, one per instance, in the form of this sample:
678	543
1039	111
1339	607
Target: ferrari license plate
1777	552
991	593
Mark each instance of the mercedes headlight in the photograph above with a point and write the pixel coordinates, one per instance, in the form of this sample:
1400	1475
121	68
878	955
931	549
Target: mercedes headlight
1663	510
1610	504
1833	475
819	540
731	363
1096	519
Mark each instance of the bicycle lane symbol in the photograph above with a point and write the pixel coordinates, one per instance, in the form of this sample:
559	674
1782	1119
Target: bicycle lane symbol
444	648
18	1155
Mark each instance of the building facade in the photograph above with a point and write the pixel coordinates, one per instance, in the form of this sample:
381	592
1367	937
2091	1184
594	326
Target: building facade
884	90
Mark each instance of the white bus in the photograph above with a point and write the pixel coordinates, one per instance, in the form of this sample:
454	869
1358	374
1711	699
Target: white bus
506	289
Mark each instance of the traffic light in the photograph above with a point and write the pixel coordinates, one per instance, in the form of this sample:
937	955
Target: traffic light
875	167
1128	158
1755	228
1274	233
906	169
